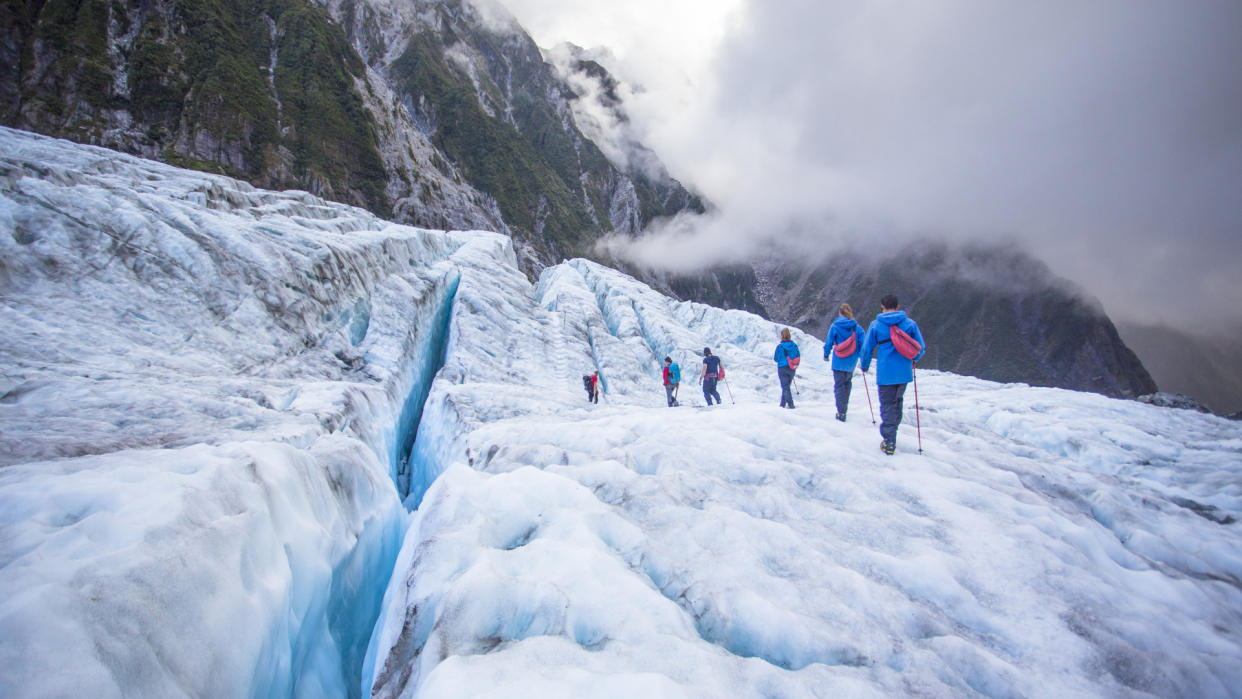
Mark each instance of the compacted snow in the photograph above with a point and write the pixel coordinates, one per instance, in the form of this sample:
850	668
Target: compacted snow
216	401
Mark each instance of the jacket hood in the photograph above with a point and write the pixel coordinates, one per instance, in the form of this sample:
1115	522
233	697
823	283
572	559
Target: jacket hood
891	317
845	323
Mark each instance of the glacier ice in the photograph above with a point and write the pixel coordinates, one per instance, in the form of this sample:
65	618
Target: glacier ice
201	425
215	400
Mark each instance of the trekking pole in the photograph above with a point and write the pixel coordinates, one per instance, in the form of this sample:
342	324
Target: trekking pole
794	383
868	392
918	427
730	388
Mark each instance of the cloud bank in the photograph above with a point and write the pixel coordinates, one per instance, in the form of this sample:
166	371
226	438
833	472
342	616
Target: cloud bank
1106	137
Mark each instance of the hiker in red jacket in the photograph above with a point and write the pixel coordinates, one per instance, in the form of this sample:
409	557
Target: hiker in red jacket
894	359
593	387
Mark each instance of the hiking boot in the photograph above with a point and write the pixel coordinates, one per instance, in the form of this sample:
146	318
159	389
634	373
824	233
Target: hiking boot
840	417
888	447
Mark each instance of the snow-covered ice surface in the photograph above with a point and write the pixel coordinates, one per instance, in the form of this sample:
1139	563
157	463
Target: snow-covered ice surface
206	392
1047	543
208	397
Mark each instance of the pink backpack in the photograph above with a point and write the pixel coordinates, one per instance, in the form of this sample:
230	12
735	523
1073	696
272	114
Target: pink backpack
905	345
846	347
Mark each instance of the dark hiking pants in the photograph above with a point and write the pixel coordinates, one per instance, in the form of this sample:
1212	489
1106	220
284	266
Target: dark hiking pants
891	400
787	376
669	388
709	390
842	382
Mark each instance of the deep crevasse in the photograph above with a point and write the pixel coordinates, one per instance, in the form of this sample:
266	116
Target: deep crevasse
208	394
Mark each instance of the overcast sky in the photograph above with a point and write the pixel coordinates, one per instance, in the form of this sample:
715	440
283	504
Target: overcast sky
1103	135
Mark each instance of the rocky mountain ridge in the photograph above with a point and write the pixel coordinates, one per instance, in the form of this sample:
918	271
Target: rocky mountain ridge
434	113
986	311
1202	366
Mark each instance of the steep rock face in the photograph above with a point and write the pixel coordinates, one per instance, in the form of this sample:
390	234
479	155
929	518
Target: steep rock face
478	87
647	190
431	113
264	91
1204	367
985	311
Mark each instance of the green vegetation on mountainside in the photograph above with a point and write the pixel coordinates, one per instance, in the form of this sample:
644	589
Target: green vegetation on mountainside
268	91
199	80
491	153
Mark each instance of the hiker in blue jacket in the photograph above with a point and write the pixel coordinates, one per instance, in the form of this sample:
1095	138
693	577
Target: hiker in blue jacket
709	376
785	368
893	370
844	345
672	380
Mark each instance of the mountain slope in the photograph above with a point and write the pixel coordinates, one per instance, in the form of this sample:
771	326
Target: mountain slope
1203	367
481	90
216	398
985	311
428	112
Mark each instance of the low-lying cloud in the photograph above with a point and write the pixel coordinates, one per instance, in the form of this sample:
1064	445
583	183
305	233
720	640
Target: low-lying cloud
1105	136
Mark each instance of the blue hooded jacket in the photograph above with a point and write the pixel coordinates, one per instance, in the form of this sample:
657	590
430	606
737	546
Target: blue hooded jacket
891	368
784	351
841	329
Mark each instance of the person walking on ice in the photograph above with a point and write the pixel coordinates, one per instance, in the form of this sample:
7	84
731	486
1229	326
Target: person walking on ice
844	345
672	379
591	383
896	343
712	369
787	358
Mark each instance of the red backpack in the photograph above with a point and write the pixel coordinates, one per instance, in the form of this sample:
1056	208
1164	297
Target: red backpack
905	345
846	347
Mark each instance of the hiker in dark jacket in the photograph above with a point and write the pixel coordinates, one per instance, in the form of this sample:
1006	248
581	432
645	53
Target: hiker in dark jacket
785	352
893	370
844	345
710	374
592	387
672	379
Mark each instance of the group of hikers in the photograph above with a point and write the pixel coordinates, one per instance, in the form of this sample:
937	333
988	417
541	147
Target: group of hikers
893	339
896	343
713	371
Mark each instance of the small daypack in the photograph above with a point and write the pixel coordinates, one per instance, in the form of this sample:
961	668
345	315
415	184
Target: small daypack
674	373
846	347
720	372
586	381
905	345
792	360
